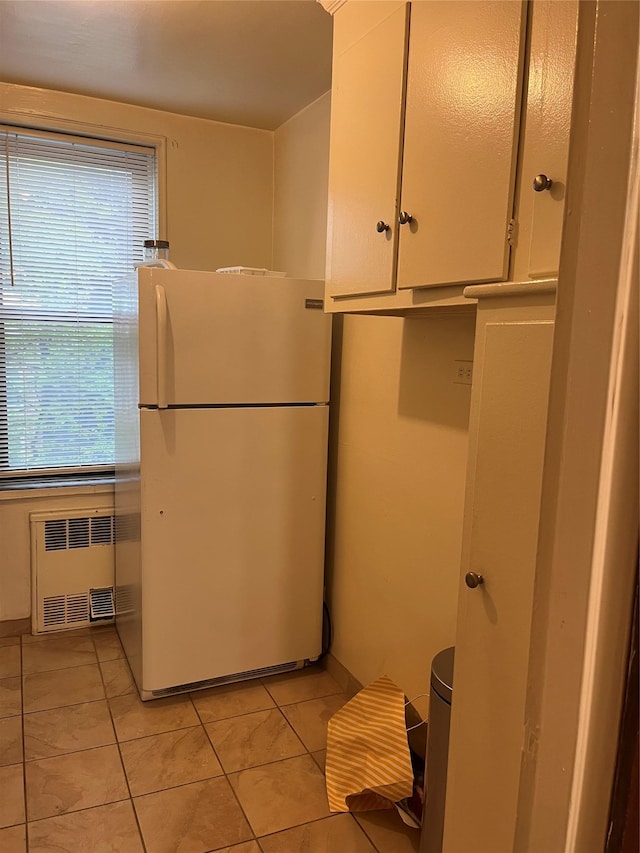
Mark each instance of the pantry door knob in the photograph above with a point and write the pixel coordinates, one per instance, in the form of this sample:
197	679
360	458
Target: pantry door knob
382	227
542	183
404	217
473	580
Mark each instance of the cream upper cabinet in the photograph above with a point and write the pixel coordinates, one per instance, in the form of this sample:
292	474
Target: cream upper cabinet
425	118
545	149
460	141
366	130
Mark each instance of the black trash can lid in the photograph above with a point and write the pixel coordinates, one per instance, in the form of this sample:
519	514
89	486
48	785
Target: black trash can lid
442	673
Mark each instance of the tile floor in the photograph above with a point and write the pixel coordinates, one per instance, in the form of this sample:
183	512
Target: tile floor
86	766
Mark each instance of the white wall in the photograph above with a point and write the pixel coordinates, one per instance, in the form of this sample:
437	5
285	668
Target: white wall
300	198
398	447
400	473
219	212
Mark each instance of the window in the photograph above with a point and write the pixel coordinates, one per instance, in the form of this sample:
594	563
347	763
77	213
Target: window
73	217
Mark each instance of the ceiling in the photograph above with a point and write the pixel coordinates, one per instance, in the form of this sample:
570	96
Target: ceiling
248	62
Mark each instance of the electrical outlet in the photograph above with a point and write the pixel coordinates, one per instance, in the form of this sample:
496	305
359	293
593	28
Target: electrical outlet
463	372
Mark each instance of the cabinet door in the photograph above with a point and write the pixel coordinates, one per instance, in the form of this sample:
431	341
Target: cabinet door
545	147
460	146
366	126
507	438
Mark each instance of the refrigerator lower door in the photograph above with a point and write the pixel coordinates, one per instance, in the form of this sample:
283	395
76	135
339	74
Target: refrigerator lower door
232	540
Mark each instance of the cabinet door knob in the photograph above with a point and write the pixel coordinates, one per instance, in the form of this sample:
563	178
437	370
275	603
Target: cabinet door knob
404	217
542	183
382	226
473	580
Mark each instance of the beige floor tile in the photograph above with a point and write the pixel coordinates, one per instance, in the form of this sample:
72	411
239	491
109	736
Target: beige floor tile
246	847
117	678
103	629
388	832
170	759
13	839
196	818
134	718
9	661
281	795
303	684
57	654
68	783
62	730
105	829
9	641
218	703
309	719
10	697
333	834
320	758
11	740
253	739
27	639
61	687
108	646
11	795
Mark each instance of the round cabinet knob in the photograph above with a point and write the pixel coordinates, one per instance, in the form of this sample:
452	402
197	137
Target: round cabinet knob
382	226
542	183
404	217
473	580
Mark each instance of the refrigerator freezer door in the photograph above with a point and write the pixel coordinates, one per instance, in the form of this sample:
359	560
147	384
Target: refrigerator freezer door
213	338
232	524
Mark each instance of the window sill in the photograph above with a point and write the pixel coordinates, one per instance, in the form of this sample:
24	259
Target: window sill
55	486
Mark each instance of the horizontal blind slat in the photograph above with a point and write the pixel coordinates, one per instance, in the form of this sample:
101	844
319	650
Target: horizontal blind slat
79	214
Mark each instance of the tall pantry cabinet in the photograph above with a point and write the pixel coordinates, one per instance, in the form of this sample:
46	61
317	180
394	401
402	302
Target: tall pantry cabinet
512	364
449	149
512	368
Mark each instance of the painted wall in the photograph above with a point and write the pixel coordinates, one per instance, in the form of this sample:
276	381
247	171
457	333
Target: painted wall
398	447
218	181
301	164
400	474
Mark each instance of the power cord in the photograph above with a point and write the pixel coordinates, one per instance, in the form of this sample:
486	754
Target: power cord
326	631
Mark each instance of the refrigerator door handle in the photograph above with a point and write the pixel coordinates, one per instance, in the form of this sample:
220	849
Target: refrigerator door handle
161	345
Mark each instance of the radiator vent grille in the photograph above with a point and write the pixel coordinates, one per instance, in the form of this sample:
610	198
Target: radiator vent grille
58	610
78	533
55	535
72	564
102	529
77	608
102	603
53	610
61	534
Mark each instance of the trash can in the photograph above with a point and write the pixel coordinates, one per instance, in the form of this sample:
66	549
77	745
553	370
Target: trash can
437	751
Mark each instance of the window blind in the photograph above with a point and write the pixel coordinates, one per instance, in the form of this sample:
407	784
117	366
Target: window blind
73	217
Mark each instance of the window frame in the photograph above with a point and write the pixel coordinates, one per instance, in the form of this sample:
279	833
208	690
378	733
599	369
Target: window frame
71	131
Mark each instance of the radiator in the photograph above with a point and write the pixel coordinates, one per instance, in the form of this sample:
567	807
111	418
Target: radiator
72	568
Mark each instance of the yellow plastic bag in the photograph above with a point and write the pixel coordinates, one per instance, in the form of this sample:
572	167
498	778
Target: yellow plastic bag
368	764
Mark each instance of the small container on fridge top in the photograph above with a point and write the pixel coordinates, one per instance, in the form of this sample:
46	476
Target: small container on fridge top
156	250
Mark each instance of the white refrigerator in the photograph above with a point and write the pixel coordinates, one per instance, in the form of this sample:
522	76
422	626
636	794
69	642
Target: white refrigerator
222	390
